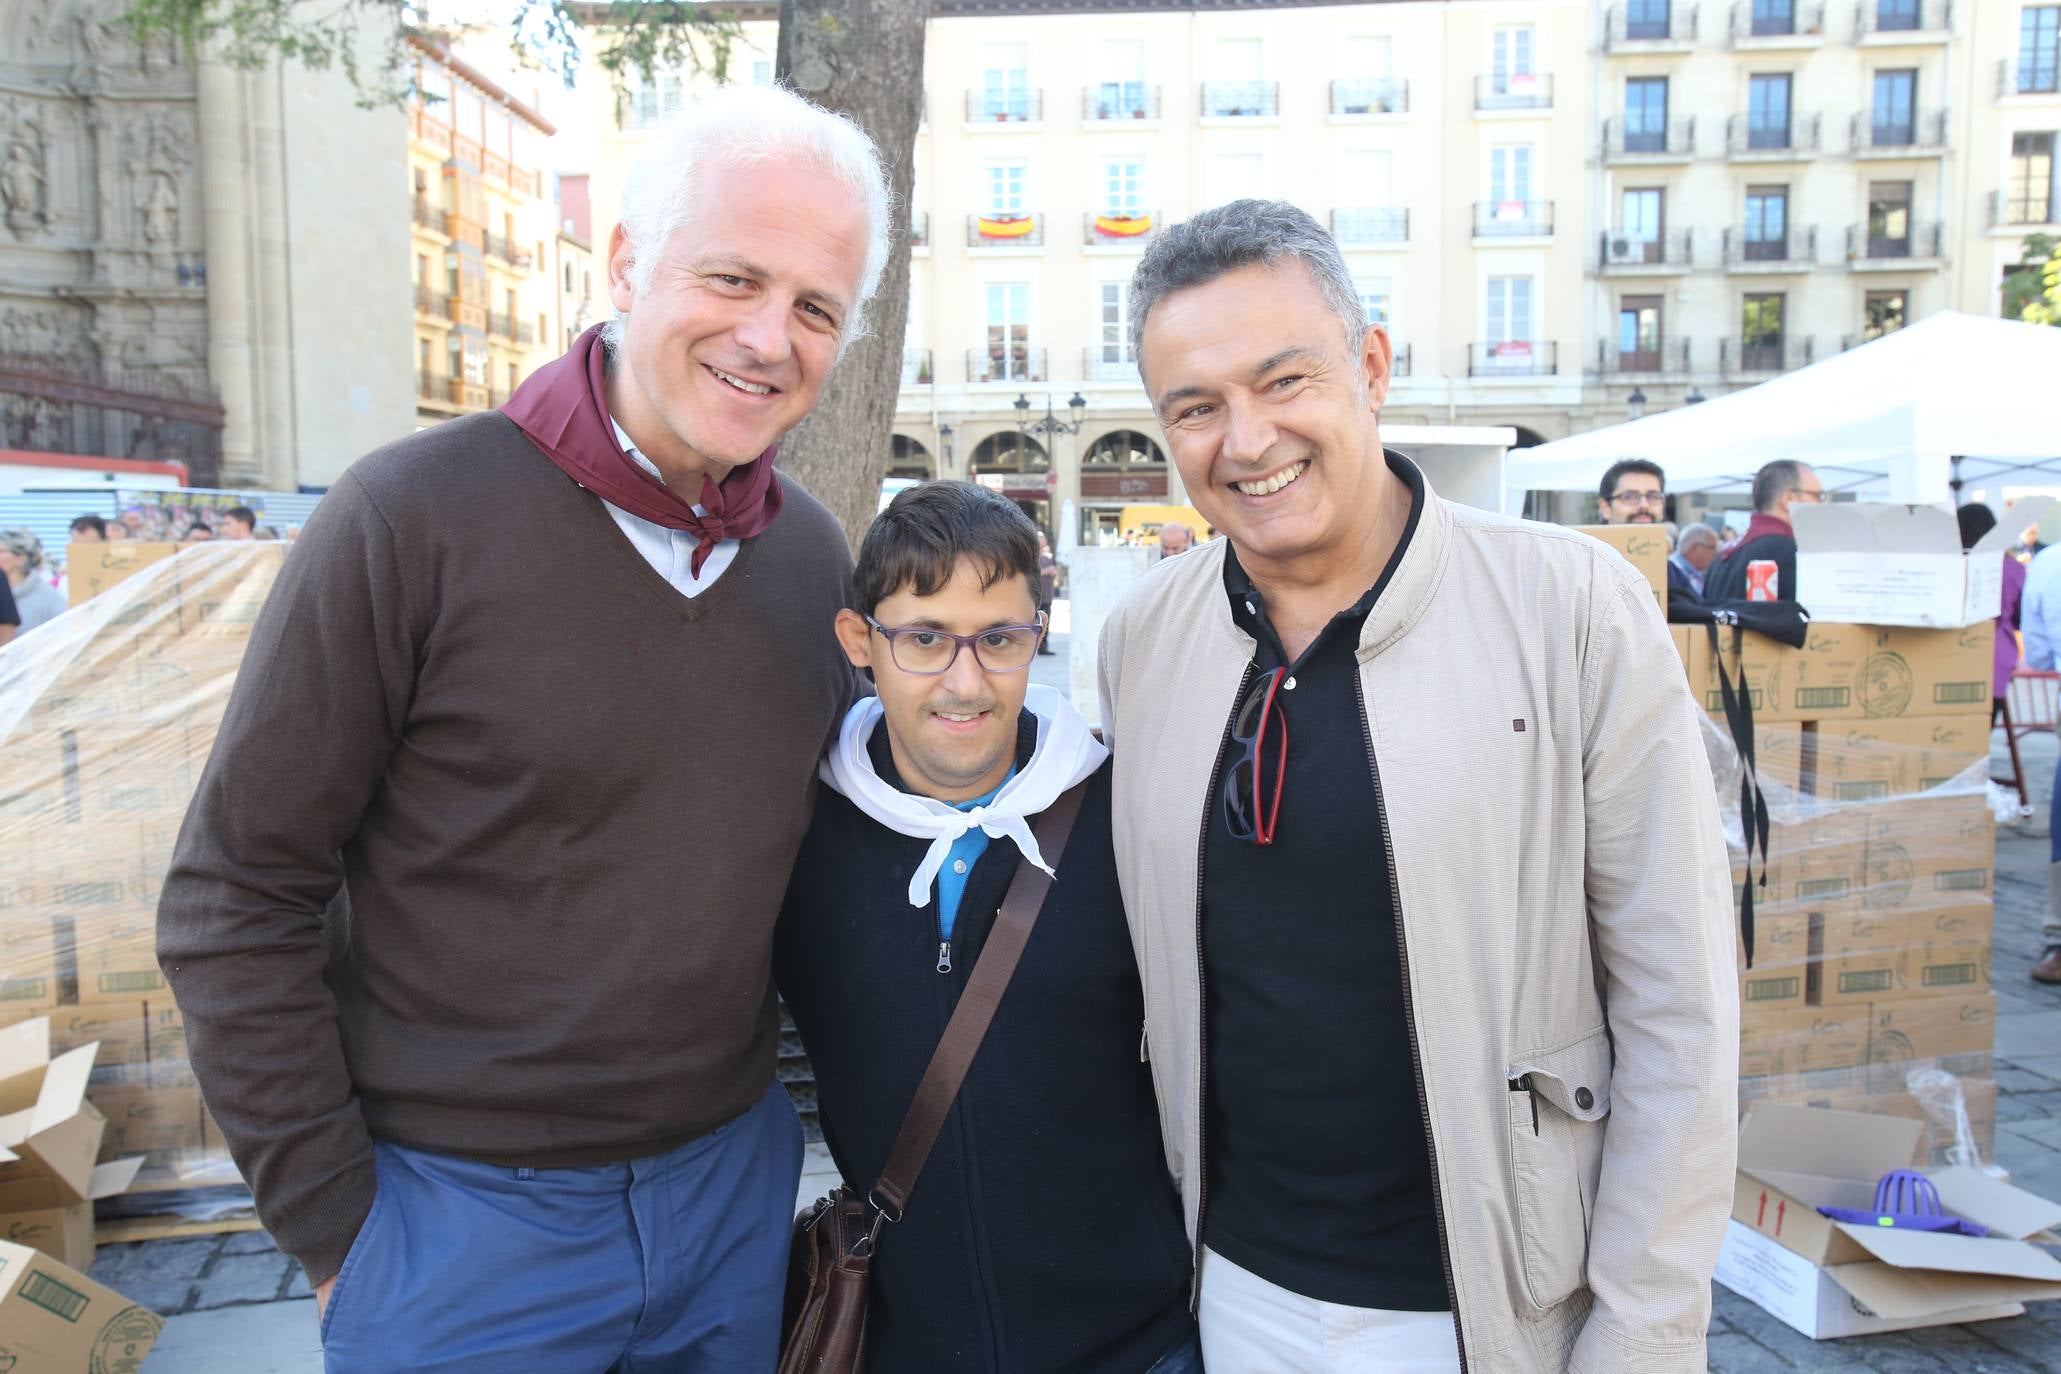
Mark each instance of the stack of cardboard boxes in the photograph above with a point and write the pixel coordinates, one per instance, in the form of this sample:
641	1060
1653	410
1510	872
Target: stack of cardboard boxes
1872	930
103	735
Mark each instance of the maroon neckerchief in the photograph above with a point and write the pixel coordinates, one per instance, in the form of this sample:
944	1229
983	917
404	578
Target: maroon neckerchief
563	408
1761	524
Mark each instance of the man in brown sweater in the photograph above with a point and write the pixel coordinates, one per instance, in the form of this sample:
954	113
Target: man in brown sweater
511	1100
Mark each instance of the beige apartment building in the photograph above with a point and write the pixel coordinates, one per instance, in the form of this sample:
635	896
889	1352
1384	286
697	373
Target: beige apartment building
482	237
2011	68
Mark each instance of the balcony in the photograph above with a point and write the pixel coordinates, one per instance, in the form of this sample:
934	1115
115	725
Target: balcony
1401	367
1671	29
1112	102
919	229
500	326
1885	23
1918	249
1507	91
1005	231
430	301
1671	358
2033	73
430	217
1371	97
1777	24
1512	219
1016	364
1623	255
436	389
1241	99
1131	229
1370	227
1765	357
1513	358
1792	250
916	367
1796	141
1005	107
431	386
505	249
1910	135
1675	141
2022	207
1113	362
525	334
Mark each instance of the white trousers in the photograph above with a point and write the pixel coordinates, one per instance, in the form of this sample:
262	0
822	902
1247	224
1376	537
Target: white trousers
1250	1326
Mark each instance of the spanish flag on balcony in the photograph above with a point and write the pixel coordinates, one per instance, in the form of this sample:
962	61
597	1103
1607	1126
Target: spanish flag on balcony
1005	226
1123	226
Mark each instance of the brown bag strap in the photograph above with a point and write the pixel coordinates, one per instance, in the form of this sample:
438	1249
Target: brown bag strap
969	1023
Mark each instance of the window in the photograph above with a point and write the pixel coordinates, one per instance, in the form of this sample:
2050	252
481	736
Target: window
1113	360
1638	334
1509	322
421	182
1760	332
1773	17
1646	19
1240	88
1008	325
1889	219
1123	186
1767	223
1510	180
1645	114
511	376
1366	82
1895	122
762	71
1642	219
422	356
1121	92
1370	58
1005	187
1510	60
422	269
1896	16
1122	449
508	299
1239	59
1004	81
1767	111
568	278
1375	296
2039	48
2029	193
1882	314
1237	176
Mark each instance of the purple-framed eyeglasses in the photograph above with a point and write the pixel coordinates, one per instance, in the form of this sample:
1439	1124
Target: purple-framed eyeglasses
927	652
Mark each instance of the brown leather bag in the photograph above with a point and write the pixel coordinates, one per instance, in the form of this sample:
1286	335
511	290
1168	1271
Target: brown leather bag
830	1264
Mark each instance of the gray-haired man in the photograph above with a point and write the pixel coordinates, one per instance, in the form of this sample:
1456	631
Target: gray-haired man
1696	548
1430	798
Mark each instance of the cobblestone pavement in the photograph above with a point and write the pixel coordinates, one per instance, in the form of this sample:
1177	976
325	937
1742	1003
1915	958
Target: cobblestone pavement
203	1282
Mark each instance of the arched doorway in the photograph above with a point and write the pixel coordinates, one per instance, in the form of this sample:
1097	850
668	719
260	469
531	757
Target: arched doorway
1121	468
909	459
1018	466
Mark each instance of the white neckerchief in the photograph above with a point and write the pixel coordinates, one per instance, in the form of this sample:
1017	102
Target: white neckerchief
1067	751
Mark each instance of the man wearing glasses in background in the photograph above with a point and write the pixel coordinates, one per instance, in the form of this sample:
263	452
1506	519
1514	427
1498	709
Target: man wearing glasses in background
1407	794
1776	487
1633	492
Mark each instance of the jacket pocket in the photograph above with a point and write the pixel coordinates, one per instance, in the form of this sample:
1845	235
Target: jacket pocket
1557	1104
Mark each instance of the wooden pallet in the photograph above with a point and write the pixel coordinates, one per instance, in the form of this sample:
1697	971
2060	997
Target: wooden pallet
169	1210
118	1230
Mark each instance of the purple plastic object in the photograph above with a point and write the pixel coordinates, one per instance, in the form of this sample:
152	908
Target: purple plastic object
1907	1201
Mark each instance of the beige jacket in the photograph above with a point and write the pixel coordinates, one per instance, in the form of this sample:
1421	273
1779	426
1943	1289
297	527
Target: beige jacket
1564	911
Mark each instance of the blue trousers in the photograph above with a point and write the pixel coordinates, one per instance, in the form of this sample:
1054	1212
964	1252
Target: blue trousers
674	1264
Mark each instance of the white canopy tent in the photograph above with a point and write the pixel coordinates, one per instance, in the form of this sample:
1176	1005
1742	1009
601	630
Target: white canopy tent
1884	420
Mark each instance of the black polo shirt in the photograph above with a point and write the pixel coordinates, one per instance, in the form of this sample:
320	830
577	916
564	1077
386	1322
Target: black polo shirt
1319	1175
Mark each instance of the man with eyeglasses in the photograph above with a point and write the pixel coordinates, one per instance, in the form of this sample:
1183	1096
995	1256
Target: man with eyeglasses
1633	492
1423	866
1043	1234
1769	535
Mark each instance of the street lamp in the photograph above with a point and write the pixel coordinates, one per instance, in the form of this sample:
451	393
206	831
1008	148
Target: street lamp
1635	404
1076	406
944	443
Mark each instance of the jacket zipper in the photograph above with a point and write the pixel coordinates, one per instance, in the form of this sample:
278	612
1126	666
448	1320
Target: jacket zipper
1402	945
1209	801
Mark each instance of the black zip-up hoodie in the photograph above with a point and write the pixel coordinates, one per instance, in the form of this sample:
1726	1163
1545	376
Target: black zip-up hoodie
1044	1234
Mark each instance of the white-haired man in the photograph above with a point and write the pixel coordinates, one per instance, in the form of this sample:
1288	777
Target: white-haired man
1424	870
511	1103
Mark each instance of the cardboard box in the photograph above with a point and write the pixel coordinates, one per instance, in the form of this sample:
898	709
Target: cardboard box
1644	547
1880	563
51	1139
1784	1042
1850	672
1928	852
1827	1279
91	569
33	1212
152	1121
1855	976
1778	757
1878	759
1904	1032
220	594
55	1320
1682	635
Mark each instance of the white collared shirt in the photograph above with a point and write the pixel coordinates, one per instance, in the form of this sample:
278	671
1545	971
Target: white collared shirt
670	551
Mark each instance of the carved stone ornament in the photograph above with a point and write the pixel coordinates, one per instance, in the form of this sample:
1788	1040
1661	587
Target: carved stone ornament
24	180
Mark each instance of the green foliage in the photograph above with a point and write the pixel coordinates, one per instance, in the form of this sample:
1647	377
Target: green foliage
622	36
2032	292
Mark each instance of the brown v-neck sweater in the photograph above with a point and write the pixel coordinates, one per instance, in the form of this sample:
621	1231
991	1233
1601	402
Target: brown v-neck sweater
561	798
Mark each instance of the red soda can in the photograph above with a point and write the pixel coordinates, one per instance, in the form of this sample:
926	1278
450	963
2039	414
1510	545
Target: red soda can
1762	580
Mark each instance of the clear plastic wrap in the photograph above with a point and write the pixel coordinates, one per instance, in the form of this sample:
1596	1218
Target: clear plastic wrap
107	715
